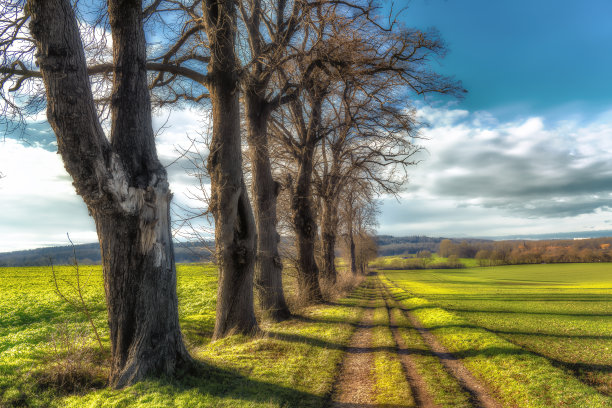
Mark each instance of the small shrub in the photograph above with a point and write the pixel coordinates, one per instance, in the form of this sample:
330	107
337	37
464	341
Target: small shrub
73	364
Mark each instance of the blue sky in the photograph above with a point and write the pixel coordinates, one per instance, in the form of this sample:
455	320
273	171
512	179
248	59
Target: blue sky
523	57
528	151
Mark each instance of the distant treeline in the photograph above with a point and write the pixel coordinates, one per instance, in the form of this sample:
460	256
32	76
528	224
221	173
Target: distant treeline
389	245
529	252
422	260
487	252
89	254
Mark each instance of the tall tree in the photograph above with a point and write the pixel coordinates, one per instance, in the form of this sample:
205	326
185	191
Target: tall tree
235	235
368	145
261	97
120	179
199	63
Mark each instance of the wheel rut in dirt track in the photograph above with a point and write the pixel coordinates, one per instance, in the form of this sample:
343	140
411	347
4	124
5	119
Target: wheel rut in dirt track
480	395
354	386
417	384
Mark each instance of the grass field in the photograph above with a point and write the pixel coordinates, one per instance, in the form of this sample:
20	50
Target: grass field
533	336
42	362
537	317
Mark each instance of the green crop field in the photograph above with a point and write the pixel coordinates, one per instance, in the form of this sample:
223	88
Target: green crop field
521	322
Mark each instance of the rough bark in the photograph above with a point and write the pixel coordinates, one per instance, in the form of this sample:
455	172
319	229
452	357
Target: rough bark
234	224
329	226
121	181
351	238
268	264
306	228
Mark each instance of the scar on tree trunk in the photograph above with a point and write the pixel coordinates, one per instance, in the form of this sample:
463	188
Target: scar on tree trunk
121	181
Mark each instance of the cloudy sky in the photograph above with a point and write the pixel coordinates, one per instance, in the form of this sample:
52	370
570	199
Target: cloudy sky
528	151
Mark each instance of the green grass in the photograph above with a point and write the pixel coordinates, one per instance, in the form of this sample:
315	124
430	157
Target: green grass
291	364
444	388
390	384
538	334
395	261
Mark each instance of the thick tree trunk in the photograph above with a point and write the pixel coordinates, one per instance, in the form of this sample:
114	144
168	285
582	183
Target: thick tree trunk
234	224
268	265
329	226
140	287
122	182
306	229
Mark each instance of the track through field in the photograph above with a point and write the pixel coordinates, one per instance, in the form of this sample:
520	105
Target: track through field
359	380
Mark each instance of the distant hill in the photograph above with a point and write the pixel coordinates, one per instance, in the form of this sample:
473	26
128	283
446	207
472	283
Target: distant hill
557	235
89	254
187	252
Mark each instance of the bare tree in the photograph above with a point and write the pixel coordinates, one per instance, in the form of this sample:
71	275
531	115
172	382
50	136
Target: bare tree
351	59
358	219
120	179
235	235
369	144
266	53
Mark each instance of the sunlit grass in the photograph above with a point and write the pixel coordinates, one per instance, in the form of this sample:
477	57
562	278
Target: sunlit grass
443	388
390	383
521	331
290	364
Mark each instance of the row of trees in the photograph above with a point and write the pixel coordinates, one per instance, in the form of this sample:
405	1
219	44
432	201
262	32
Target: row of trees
319	90
530	252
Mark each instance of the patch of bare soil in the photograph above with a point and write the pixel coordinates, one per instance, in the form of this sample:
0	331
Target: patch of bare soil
354	385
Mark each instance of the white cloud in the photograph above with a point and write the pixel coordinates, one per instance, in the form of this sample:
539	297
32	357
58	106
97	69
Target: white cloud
483	177
39	205
478	177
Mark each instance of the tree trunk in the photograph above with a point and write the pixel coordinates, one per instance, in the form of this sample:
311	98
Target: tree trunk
268	264
122	182
140	287
329	226
351	237
235	236
306	228
352	253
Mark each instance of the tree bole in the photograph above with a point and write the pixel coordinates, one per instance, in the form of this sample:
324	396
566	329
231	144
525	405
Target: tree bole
235	236
121	181
306	230
268	264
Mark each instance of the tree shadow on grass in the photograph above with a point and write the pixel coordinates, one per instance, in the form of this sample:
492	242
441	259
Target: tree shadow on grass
293	338
197	332
527	297
211	381
524	312
199	385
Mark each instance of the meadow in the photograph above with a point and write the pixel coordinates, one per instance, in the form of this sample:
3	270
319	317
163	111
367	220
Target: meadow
539	318
49	356
532	336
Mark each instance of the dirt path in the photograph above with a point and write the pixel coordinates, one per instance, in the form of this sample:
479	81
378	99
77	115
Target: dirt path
480	395
354	386
419	389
